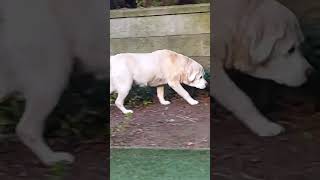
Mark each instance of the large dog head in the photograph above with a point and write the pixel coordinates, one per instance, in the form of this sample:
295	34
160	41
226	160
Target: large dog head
267	45
194	74
182	69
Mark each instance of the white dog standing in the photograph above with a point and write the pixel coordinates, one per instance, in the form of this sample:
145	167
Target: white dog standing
154	69
260	38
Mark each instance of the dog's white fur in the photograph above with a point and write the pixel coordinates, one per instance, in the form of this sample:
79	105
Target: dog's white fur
260	38
154	69
39	39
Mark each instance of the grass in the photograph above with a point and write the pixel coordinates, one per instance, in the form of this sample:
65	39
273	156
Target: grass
158	164
171	2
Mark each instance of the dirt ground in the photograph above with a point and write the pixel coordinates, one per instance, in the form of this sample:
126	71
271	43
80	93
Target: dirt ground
178	125
17	162
294	155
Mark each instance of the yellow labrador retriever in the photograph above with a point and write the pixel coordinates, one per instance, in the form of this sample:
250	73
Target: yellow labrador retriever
260	38
39	40
154	69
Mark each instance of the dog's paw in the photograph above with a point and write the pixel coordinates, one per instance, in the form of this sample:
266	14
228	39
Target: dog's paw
127	111
57	157
193	102
165	102
270	129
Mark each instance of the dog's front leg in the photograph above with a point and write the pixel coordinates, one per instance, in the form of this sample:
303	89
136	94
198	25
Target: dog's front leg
232	98
160	94
182	92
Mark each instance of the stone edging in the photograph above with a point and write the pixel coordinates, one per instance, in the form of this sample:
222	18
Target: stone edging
163	10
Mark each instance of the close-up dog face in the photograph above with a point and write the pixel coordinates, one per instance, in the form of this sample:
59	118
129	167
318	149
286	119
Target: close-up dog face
260	44
276	50
286	65
195	75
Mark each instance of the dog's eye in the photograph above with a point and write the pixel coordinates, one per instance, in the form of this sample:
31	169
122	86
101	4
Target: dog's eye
291	50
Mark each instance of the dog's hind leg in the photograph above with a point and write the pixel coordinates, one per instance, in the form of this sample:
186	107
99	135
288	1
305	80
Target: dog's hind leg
39	103
111	87
41	67
123	91
160	94
41	81
122	94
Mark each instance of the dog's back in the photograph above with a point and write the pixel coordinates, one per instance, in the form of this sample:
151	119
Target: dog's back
141	68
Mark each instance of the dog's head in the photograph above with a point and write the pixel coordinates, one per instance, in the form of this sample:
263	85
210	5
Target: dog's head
270	46
194	74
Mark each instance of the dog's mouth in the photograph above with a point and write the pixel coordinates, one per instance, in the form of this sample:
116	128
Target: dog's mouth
197	85
201	86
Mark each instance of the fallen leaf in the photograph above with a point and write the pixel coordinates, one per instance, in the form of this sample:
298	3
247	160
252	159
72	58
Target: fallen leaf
190	143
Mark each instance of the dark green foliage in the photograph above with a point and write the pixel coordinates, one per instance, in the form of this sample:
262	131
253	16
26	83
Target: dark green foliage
10	112
82	105
137	96
311	46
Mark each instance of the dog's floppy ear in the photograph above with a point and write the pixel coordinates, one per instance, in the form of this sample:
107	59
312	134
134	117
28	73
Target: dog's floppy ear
190	70
263	34
192	77
298	31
